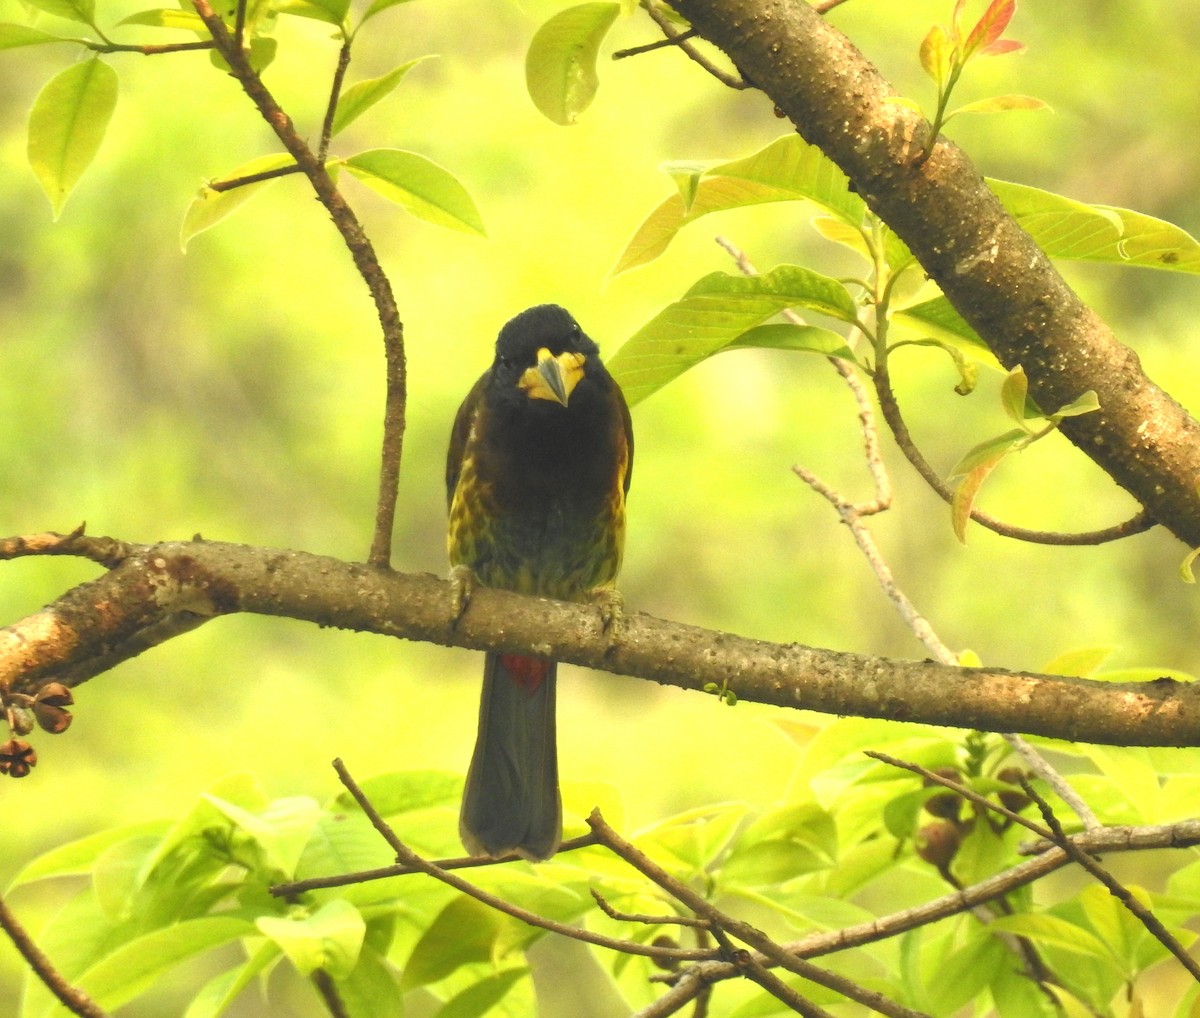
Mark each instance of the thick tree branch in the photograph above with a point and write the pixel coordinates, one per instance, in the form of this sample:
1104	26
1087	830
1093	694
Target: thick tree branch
193	580
989	268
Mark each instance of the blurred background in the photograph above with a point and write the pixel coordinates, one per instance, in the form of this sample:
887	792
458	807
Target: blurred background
235	391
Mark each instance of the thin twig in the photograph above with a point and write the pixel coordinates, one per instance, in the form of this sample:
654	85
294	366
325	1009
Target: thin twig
107	551
825	6
754	970
675	36
335	92
960	789
233	183
366	261
639	917
1118	890
890	408
74	1000
1046	771
328	991
464	862
743	931
851	515
147	50
650	47
408	857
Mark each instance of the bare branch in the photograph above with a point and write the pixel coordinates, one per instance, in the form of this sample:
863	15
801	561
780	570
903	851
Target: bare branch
365	260
408	857
1118	890
890	408
986	265
743	931
74	1000
201	579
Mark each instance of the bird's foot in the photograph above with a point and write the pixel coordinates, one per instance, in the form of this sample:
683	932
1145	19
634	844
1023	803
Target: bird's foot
612	611
462	585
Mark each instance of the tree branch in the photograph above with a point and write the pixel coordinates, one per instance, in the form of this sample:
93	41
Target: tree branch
75	1001
366	261
988	267
194	580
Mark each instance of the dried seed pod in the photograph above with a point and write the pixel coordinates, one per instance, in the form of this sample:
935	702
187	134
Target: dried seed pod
17	758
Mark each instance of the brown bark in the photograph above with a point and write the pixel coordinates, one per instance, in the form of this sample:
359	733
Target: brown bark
988	267
162	588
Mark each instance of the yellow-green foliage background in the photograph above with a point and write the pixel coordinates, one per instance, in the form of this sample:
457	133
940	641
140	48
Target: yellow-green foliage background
236	390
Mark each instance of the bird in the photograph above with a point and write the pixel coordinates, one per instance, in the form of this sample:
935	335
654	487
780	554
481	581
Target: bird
537	474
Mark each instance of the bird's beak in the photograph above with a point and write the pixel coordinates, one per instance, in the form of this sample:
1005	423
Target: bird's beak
553	378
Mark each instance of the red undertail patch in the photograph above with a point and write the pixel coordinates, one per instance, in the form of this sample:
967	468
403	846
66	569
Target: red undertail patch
528	673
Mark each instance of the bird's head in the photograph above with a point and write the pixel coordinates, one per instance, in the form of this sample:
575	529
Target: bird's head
542	354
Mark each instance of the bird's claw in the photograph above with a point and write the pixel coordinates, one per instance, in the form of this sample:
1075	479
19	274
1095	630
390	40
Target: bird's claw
462	586
612	611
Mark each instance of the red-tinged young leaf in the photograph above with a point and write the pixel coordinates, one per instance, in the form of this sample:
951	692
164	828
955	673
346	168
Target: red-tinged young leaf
936	50
956	20
990	451
964	497
1002	46
991	26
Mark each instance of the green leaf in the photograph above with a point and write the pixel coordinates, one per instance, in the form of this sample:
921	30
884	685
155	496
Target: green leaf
1049	930
481	997
687	178
988	451
1144	674
694	838
785	843
1185	567
1065	228
788	336
83	11
77	857
329	939
939	316
1082	661
210	206
219	993
167	17
372	989
377	7
405	791
282	830
419	185
968	371
136	965
560	67
463	932
966	972
1014	393
12	36
712	314
67	125
788	169
332	12
1083	404
362	95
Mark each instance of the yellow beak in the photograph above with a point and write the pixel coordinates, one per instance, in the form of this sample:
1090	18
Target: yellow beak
553	378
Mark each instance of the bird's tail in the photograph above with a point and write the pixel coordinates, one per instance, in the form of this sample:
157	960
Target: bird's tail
511	802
